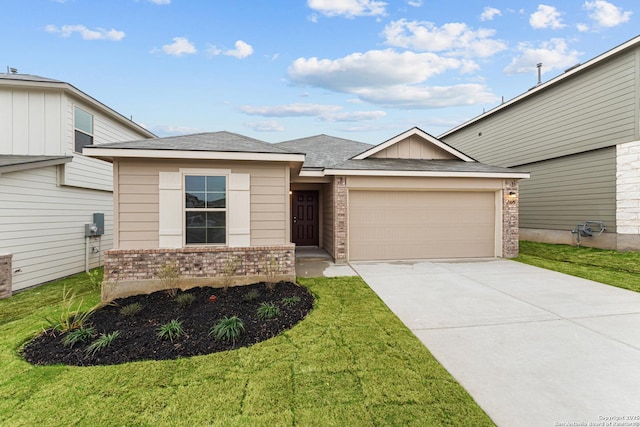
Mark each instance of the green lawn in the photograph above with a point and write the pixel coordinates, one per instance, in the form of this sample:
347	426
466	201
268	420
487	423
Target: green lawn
621	269
350	363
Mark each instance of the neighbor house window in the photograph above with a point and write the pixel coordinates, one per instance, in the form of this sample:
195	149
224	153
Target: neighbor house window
205	209
83	124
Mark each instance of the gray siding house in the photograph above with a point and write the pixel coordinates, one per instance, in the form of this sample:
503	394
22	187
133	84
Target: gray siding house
578	135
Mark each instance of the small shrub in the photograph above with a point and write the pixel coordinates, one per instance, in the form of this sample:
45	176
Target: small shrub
131	309
95	278
290	301
69	318
81	334
252	295
268	310
102	342
169	274
171	330
185	300
227	329
272	270
228	271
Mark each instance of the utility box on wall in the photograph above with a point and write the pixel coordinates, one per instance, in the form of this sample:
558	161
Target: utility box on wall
98	220
96	228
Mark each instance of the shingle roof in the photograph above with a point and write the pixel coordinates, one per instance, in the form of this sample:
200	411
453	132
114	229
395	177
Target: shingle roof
28	78
324	151
211	141
373	164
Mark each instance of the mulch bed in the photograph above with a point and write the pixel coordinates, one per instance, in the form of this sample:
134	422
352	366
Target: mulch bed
138	339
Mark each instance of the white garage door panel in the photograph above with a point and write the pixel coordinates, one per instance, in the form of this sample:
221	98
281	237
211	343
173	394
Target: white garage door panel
410	225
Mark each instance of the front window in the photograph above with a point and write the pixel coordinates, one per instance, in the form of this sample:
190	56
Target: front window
205	209
83	124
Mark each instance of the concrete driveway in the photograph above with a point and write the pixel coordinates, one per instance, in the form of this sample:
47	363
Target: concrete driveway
532	346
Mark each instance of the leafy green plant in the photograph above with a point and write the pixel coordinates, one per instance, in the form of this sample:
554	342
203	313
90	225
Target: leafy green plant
131	309
185	300
252	295
69	318
171	330
228	271
290	301
169	274
81	334
102	342
268	310
95	278
228	329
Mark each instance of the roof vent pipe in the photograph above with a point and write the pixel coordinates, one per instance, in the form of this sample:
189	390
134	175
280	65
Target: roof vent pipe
539	73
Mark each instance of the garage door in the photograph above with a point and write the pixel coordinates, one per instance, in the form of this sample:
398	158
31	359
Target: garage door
413	225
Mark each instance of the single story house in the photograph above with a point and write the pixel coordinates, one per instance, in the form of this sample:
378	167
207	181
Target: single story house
578	135
197	200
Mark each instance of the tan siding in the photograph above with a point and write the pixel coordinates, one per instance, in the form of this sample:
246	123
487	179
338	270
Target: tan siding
567	191
42	225
413	147
592	110
427	224
138	197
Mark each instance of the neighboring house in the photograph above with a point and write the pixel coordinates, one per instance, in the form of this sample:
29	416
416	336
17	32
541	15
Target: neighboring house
198	200
48	190
579	137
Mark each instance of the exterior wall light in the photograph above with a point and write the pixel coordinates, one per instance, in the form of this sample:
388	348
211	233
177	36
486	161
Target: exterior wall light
512	196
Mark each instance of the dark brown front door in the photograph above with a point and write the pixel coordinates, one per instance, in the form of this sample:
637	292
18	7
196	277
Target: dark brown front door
304	209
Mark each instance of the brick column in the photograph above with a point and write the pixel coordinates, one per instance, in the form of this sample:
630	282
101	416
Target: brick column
340	218
510	206
5	276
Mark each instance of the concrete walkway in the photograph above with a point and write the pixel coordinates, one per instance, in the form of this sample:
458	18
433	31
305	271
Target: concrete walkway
532	346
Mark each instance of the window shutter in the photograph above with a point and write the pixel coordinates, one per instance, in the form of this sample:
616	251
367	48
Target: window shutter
170	195
239	210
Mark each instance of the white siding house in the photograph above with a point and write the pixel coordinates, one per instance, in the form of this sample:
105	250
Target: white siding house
48	189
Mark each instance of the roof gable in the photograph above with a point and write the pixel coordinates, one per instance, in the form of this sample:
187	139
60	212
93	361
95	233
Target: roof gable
414	144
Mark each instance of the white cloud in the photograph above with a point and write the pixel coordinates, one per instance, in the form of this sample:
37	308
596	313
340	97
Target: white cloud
179	47
291	110
348	8
405	96
454	38
390	78
170	130
553	54
160	1
329	113
414	3
546	17
354	116
607	14
265	126
85	33
242	50
489	13
373	68
582	27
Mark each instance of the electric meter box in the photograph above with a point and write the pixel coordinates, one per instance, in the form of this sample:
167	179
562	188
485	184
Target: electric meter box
98	220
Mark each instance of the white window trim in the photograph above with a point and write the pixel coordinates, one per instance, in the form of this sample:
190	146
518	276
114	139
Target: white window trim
172	230
205	172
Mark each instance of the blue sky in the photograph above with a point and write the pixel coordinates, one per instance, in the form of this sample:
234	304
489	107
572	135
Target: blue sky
284	69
